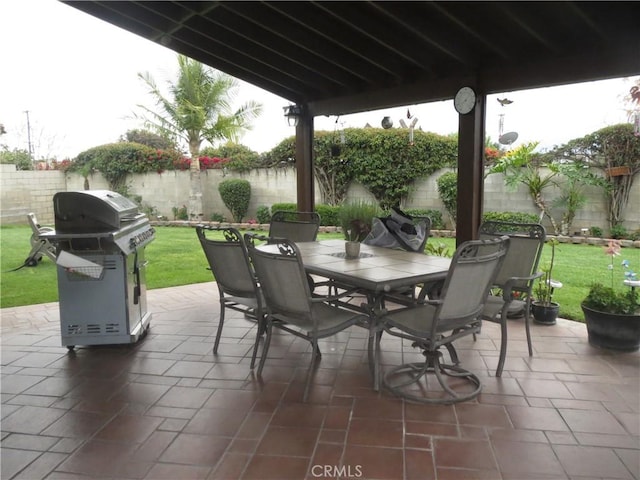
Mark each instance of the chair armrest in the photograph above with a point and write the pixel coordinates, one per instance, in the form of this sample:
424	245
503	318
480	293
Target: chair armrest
435	302
507	288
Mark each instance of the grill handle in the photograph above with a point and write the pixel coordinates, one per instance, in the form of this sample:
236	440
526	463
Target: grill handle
136	273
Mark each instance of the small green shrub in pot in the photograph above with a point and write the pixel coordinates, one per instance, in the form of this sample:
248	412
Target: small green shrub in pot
542	290
236	194
612	314
543	308
614	298
611	300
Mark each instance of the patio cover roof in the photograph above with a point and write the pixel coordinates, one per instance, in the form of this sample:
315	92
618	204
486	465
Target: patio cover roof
342	57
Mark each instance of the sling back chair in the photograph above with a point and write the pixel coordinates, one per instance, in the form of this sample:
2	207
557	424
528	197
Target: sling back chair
295	226
290	306
439	322
237	284
516	277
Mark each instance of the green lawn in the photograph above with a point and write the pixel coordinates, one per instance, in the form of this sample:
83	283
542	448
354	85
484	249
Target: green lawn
175	258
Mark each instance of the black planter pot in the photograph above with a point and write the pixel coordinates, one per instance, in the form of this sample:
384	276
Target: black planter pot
612	331
545	314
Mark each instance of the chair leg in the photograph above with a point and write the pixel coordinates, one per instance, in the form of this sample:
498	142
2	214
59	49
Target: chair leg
374	356
314	358
416	373
220	325
527	322
503	343
265	348
259	333
452	353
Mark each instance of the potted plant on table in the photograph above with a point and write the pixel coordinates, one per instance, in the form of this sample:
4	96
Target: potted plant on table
543	308
357	232
612	313
355	221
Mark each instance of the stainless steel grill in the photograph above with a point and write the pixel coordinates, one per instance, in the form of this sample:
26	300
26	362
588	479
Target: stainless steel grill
100	237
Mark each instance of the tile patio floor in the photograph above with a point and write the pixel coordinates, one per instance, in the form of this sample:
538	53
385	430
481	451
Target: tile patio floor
166	408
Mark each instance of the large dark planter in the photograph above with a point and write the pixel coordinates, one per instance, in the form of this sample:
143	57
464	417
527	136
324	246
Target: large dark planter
545	314
611	330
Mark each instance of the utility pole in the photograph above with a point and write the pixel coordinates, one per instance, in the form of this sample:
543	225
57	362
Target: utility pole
29	136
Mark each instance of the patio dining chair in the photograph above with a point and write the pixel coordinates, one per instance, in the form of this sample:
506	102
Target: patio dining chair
513	286
237	284
290	305
439	322
295	226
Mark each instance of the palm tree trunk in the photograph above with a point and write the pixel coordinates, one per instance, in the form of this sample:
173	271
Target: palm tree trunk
195	184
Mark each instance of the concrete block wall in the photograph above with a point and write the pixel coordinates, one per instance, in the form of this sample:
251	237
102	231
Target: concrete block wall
32	191
171	189
24	191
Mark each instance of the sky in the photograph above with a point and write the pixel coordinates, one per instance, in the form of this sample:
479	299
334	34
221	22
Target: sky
77	77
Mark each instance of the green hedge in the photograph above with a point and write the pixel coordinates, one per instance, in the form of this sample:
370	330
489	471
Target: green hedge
382	160
435	215
516	217
329	214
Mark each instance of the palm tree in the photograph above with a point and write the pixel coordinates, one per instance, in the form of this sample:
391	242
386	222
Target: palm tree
197	109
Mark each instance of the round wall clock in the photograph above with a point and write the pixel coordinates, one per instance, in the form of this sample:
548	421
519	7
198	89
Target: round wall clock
465	100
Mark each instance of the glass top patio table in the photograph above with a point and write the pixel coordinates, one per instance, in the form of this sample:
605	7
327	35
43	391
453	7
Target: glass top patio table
377	270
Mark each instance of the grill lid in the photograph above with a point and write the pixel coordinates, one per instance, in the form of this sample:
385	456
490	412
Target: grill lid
91	211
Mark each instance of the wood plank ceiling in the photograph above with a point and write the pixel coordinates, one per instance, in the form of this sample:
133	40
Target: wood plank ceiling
340	57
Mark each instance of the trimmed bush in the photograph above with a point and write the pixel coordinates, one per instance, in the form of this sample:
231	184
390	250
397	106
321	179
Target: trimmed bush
596	232
263	214
435	215
618	232
329	214
287	207
235	194
515	217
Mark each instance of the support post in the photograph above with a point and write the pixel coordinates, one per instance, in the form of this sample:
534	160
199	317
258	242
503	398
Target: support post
304	163
471	129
